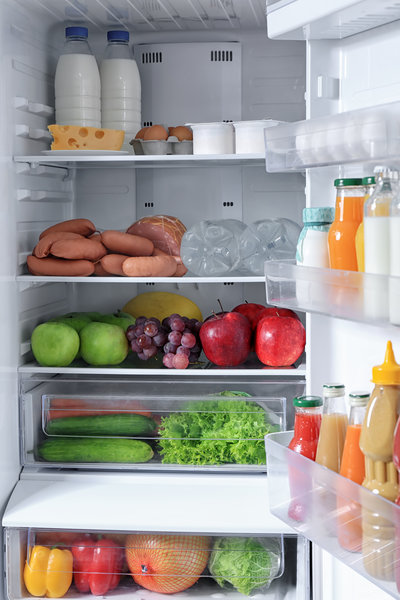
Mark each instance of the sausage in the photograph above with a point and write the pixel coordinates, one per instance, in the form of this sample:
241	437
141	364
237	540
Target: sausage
126	243
100	271
82	226
78	249
112	263
181	270
149	266
59	267
43	246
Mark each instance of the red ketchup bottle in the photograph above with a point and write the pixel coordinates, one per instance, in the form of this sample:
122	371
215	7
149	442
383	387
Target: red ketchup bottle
307	423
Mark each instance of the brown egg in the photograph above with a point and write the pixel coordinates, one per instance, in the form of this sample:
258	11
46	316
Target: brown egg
140	133
181	132
155	132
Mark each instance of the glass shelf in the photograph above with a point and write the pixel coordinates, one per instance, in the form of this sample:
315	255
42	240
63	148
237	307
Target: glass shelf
351	295
35	279
333	512
365	135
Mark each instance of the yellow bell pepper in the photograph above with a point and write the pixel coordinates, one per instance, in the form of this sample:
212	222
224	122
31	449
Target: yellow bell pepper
48	572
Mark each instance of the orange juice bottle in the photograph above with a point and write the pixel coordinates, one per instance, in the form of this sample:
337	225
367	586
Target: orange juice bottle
349	530
369	183
348	216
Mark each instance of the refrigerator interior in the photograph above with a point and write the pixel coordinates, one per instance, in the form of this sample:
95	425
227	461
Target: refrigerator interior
269	81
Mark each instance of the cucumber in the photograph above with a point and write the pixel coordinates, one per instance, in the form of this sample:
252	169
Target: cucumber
92	450
114	424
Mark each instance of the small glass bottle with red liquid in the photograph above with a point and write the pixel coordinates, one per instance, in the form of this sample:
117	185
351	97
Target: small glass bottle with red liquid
307	423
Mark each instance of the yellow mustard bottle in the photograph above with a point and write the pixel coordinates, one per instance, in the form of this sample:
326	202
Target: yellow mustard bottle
369	183
376	443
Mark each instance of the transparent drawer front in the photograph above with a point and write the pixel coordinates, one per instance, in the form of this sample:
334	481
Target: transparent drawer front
127	425
354	136
356	526
144	565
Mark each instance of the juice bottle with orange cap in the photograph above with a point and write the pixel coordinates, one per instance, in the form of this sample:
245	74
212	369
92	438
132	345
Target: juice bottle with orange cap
376	443
349	529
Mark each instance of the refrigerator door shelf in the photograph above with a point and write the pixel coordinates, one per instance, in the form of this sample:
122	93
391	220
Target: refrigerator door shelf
335	513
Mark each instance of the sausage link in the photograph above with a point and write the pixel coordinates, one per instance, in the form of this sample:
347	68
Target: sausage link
59	267
100	271
181	270
78	249
112	263
126	243
149	266
43	246
82	226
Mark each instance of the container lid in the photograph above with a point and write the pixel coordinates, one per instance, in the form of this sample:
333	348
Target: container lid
332	390
348	182
260	123
76	32
359	398
319	214
307	401
216	125
118	35
388	373
370	180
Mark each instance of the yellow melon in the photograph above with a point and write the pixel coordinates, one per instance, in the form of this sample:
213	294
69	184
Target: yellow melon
161	305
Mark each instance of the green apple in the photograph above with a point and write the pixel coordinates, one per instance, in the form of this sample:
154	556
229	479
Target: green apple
103	344
75	320
54	344
92	316
119	318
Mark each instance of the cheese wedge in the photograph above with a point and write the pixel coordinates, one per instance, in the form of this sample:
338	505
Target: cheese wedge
74	137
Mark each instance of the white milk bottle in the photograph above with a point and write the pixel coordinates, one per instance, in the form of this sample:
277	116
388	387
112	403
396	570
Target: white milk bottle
394	281
120	87
77	82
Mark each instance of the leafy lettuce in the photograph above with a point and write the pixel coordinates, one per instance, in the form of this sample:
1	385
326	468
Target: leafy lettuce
214	432
244	563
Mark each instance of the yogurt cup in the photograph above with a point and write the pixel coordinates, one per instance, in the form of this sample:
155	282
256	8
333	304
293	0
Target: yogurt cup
213	138
249	135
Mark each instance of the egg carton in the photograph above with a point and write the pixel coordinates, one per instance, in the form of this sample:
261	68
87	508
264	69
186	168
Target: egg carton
170	146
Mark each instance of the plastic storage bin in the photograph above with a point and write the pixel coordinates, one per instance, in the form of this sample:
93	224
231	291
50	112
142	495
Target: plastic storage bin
150	424
331	502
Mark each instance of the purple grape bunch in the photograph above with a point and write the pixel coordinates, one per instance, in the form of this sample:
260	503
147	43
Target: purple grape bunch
176	337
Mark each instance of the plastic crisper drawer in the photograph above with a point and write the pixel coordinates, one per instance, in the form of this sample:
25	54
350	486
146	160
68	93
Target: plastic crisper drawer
356	526
358	135
147	565
151	425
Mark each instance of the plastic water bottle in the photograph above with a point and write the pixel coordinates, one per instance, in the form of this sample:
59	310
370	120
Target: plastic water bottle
120	87
273	239
215	248
77	82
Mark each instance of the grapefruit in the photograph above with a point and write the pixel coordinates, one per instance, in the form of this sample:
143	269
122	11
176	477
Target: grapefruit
166	563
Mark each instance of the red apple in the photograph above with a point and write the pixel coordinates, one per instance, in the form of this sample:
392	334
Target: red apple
274	311
251	311
226	339
280	341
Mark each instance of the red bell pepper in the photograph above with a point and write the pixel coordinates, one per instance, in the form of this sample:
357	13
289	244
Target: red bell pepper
97	565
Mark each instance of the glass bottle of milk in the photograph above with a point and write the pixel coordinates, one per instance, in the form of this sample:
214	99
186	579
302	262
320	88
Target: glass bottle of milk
377	241
394	282
77	82
120	87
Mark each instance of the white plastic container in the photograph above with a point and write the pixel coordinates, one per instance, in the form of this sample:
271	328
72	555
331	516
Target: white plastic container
120	87
213	138
249	135
77	82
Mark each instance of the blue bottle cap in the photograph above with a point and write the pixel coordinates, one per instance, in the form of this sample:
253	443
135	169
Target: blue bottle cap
118	35
76	32
319	214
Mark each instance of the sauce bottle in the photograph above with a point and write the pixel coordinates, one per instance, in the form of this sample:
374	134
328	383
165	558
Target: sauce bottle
307	422
396	461
376	443
349	529
348	216
369	183
333	427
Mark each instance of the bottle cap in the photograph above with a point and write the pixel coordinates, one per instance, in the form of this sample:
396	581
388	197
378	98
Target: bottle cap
332	390
307	401
370	180
388	373
348	182
359	398
319	214
118	35
386	172
76	32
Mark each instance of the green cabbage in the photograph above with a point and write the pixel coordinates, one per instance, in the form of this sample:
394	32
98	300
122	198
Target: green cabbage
244	563
214	432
